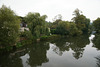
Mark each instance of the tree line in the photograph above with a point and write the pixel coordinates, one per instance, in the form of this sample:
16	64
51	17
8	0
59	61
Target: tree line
39	27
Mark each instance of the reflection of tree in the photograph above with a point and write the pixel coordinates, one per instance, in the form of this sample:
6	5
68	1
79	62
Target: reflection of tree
12	59
57	50
77	44
38	54
11	62
98	61
78	53
96	41
61	46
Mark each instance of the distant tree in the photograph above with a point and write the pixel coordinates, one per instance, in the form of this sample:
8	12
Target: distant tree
49	24
96	24
56	21
81	21
9	27
77	12
57	17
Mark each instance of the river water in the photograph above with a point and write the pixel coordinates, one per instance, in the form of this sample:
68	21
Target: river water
63	52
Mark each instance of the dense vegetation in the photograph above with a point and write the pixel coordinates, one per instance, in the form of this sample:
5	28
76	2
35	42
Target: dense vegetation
39	28
9	27
79	25
96	24
37	24
96	40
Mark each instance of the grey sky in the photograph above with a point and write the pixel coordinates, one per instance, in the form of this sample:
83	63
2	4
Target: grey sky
90	8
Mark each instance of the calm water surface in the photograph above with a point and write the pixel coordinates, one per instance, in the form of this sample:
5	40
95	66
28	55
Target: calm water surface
63	52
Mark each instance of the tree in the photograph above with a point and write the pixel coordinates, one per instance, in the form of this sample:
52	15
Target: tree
81	21
36	24
73	30
96	41
77	12
56	20
67	28
57	17
63	28
96	24
9	27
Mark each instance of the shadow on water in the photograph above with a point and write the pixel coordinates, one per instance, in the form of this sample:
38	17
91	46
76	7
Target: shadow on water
77	44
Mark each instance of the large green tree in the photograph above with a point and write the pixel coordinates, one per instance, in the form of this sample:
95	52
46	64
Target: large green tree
9	27
81	21
96	24
37	24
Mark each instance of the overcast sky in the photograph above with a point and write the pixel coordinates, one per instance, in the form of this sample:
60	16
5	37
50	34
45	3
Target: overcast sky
90	8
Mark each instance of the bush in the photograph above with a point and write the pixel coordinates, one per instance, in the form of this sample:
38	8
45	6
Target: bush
51	37
53	31
43	38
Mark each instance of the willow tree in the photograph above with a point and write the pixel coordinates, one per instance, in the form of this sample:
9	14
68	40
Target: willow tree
9	27
36	24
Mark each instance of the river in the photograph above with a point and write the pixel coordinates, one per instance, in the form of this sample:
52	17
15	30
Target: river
63	52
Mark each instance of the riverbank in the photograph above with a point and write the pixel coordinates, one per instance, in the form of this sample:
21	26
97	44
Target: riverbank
23	40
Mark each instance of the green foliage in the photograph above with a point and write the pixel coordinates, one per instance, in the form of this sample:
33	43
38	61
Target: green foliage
55	23
27	35
57	18
96	41
51	37
62	28
37	24
80	25
19	44
49	24
73	30
81	21
26	38
43	38
9	27
53	31
96	24
65	28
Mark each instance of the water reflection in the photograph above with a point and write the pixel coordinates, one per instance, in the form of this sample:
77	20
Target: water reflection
29	56
96	41
98	61
62	52
12	60
77	44
38	54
